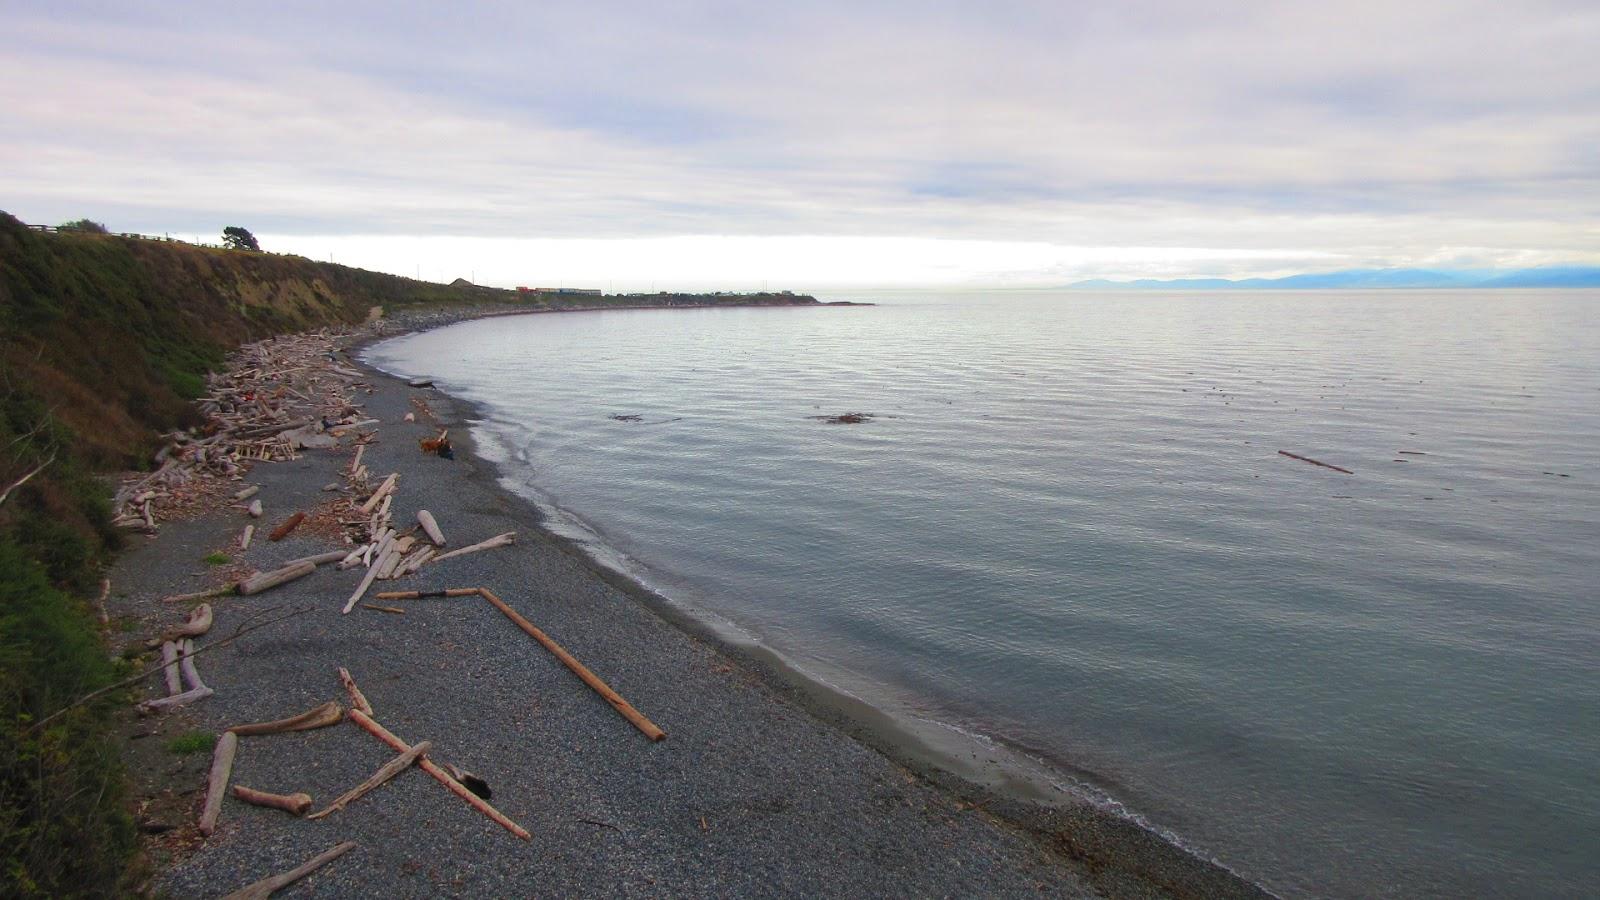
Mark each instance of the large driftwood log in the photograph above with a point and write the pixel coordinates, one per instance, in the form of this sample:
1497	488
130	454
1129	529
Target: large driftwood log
327	714
430	527
592	680
247	493
262	581
191	675
217	783
263	889
443	777
499	540
202	595
293	804
425	595
389	770
288	525
244	539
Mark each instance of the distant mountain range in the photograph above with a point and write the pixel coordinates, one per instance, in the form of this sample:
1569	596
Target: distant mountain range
1549	277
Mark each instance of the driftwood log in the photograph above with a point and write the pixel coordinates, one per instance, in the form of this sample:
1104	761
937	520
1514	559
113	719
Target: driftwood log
499	540
262	581
389	770
217	783
1314	462
263	889
327	714
358	700
247	493
244	539
318	559
197	689
443	777
425	595
288	525
571	662
191	675
430	527
366	582
202	595
254	509
169	657
293	804
378	495
199	623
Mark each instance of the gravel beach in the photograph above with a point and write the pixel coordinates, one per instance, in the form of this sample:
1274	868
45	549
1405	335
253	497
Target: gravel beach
755	791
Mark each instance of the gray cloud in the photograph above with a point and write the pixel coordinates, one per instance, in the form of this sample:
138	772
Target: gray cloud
1381	131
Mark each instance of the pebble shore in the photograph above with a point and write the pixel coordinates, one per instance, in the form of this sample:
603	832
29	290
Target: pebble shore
753	793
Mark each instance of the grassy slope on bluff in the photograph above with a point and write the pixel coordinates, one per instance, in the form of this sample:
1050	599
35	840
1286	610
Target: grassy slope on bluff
103	341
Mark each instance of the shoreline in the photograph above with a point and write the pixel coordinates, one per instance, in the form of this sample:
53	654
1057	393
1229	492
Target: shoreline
704	690
1031	793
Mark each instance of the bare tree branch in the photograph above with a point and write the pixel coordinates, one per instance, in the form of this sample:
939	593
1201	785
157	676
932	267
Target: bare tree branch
6	494
238	633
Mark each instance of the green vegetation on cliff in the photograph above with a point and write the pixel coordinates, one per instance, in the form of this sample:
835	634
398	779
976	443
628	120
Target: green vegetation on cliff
103	341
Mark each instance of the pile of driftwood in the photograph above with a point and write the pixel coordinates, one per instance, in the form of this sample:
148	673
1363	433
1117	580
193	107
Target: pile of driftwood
384	550
276	397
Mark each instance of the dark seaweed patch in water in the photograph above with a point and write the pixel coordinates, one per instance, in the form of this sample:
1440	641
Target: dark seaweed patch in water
851	418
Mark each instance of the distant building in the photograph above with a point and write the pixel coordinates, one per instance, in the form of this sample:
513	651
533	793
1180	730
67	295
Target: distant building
590	292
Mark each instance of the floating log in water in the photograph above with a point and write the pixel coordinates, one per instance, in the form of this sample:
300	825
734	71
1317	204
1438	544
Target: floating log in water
571	662
1314	462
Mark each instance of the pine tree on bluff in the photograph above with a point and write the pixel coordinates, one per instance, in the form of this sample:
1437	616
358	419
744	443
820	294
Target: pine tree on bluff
236	238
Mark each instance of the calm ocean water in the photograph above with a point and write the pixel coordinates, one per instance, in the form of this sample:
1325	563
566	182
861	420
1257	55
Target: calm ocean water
1069	529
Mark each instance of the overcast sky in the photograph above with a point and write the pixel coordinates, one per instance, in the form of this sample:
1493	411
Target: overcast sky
814	144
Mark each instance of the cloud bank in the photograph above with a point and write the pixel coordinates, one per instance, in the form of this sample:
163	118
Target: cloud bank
1018	142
